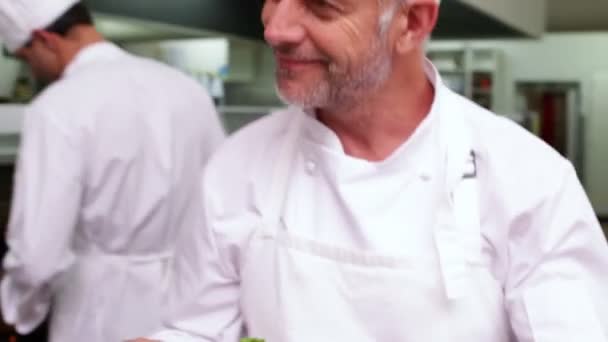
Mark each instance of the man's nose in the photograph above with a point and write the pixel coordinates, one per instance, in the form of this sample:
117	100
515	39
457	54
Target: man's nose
282	22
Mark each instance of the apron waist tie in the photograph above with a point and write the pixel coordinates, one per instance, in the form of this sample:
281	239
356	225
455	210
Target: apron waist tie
131	259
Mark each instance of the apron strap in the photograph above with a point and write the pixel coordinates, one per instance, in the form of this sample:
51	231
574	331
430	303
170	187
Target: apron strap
458	230
458	234
275	201
127	259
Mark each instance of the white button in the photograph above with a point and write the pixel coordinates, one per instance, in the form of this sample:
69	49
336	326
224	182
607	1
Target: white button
311	166
40	309
425	177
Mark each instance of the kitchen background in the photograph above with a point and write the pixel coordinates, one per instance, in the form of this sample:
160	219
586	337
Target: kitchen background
541	63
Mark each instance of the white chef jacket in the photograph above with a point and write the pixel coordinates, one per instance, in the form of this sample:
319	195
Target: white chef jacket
110	158
538	230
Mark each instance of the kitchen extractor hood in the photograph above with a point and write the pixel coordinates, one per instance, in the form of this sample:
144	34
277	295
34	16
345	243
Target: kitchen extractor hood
458	18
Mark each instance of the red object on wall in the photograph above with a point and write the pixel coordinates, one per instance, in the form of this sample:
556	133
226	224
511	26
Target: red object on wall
547	130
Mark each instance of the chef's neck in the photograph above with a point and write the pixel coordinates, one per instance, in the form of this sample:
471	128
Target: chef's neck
76	40
385	118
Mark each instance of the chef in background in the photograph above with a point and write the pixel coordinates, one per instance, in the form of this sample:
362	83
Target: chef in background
107	177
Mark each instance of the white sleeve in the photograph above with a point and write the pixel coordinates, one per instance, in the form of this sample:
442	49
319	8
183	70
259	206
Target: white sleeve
557	286
45	206
214	133
203	299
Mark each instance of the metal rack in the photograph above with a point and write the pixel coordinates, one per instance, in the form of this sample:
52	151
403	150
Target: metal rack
475	73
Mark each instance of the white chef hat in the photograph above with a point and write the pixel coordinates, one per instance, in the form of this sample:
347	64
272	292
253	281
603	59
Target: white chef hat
19	18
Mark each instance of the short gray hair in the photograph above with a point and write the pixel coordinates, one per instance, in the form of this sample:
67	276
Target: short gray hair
388	13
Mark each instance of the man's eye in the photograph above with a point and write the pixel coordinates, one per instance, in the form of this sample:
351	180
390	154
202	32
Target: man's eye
321	4
324	8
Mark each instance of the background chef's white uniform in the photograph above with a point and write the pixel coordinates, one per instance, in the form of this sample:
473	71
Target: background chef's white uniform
107	177
352	254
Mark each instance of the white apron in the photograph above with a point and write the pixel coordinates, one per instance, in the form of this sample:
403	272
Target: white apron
299	290
109	298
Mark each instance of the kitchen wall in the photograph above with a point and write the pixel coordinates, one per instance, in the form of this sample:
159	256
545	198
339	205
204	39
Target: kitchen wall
246	66
9	70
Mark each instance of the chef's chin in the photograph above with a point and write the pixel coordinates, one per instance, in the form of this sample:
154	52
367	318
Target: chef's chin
301	95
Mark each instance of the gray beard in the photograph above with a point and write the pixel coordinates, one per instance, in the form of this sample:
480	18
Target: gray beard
340	89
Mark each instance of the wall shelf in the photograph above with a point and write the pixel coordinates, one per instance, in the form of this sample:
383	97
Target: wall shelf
469	71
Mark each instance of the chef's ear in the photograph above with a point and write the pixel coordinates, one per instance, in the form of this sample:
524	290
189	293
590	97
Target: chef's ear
416	19
49	40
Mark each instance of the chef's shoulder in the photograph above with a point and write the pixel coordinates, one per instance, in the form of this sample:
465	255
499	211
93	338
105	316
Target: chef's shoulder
517	165
248	155
56	104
